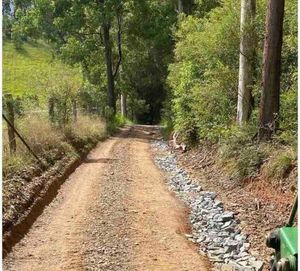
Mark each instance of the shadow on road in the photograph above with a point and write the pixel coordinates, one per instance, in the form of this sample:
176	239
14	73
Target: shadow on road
143	132
99	160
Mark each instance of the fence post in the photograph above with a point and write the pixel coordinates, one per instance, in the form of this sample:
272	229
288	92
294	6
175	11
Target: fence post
23	141
51	109
74	104
11	118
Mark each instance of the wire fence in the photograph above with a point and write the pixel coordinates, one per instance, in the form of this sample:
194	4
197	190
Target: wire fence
40	135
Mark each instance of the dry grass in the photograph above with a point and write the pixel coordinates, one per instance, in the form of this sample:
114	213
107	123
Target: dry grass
48	142
281	162
40	133
87	126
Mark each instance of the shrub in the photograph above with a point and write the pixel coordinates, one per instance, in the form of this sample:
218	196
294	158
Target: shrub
85	132
240	154
43	139
234	140
248	162
280	163
41	135
167	128
117	121
88	126
203	81
204	76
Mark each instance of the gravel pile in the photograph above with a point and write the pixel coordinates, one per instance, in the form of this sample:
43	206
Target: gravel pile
213	229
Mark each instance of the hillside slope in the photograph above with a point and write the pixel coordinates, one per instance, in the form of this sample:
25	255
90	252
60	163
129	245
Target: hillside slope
32	69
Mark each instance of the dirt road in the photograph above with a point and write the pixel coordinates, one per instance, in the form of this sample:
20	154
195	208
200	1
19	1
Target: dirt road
113	213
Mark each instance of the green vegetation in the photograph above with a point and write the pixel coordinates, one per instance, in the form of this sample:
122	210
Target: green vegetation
32	69
280	163
117	121
33	76
203	82
178	63
203	79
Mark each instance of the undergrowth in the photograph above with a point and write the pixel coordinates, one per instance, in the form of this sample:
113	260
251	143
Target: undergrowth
167	128
242	157
115	122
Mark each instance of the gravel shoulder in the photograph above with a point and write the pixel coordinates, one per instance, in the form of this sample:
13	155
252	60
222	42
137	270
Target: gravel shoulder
214	229
113	213
259	205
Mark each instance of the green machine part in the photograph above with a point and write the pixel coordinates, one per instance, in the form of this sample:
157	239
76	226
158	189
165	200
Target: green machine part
289	246
285	243
288	241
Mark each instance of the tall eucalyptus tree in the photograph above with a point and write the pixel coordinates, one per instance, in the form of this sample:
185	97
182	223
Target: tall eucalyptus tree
270	96
247	61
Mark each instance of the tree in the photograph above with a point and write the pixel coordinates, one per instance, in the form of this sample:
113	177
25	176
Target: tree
148	48
269	104
111	75
185	6
247	61
123	96
82	31
123	105
180	6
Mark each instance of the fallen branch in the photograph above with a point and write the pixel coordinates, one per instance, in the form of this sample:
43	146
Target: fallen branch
178	146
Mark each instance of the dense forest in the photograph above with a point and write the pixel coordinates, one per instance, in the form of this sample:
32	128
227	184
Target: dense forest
197	67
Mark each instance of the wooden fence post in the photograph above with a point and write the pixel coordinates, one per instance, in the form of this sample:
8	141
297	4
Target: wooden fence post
11	118
51	108
74	104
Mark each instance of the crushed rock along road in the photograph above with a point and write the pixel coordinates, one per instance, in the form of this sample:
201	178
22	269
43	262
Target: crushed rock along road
113	213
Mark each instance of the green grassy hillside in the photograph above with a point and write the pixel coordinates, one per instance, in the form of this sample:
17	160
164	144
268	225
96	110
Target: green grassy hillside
33	69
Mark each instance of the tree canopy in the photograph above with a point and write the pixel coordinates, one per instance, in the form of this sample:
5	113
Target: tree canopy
169	58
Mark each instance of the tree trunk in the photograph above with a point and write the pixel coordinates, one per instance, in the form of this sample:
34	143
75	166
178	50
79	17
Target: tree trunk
180	6
269	104
11	118
247	61
185	6
109	70
123	105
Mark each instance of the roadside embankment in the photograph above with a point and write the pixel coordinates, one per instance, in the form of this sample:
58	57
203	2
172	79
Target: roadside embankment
220	230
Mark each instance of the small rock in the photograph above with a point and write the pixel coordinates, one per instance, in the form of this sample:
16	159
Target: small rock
226	224
216	259
201	239
227	267
240	237
218	203
243	263
223	234
245	247
258	265
227	216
